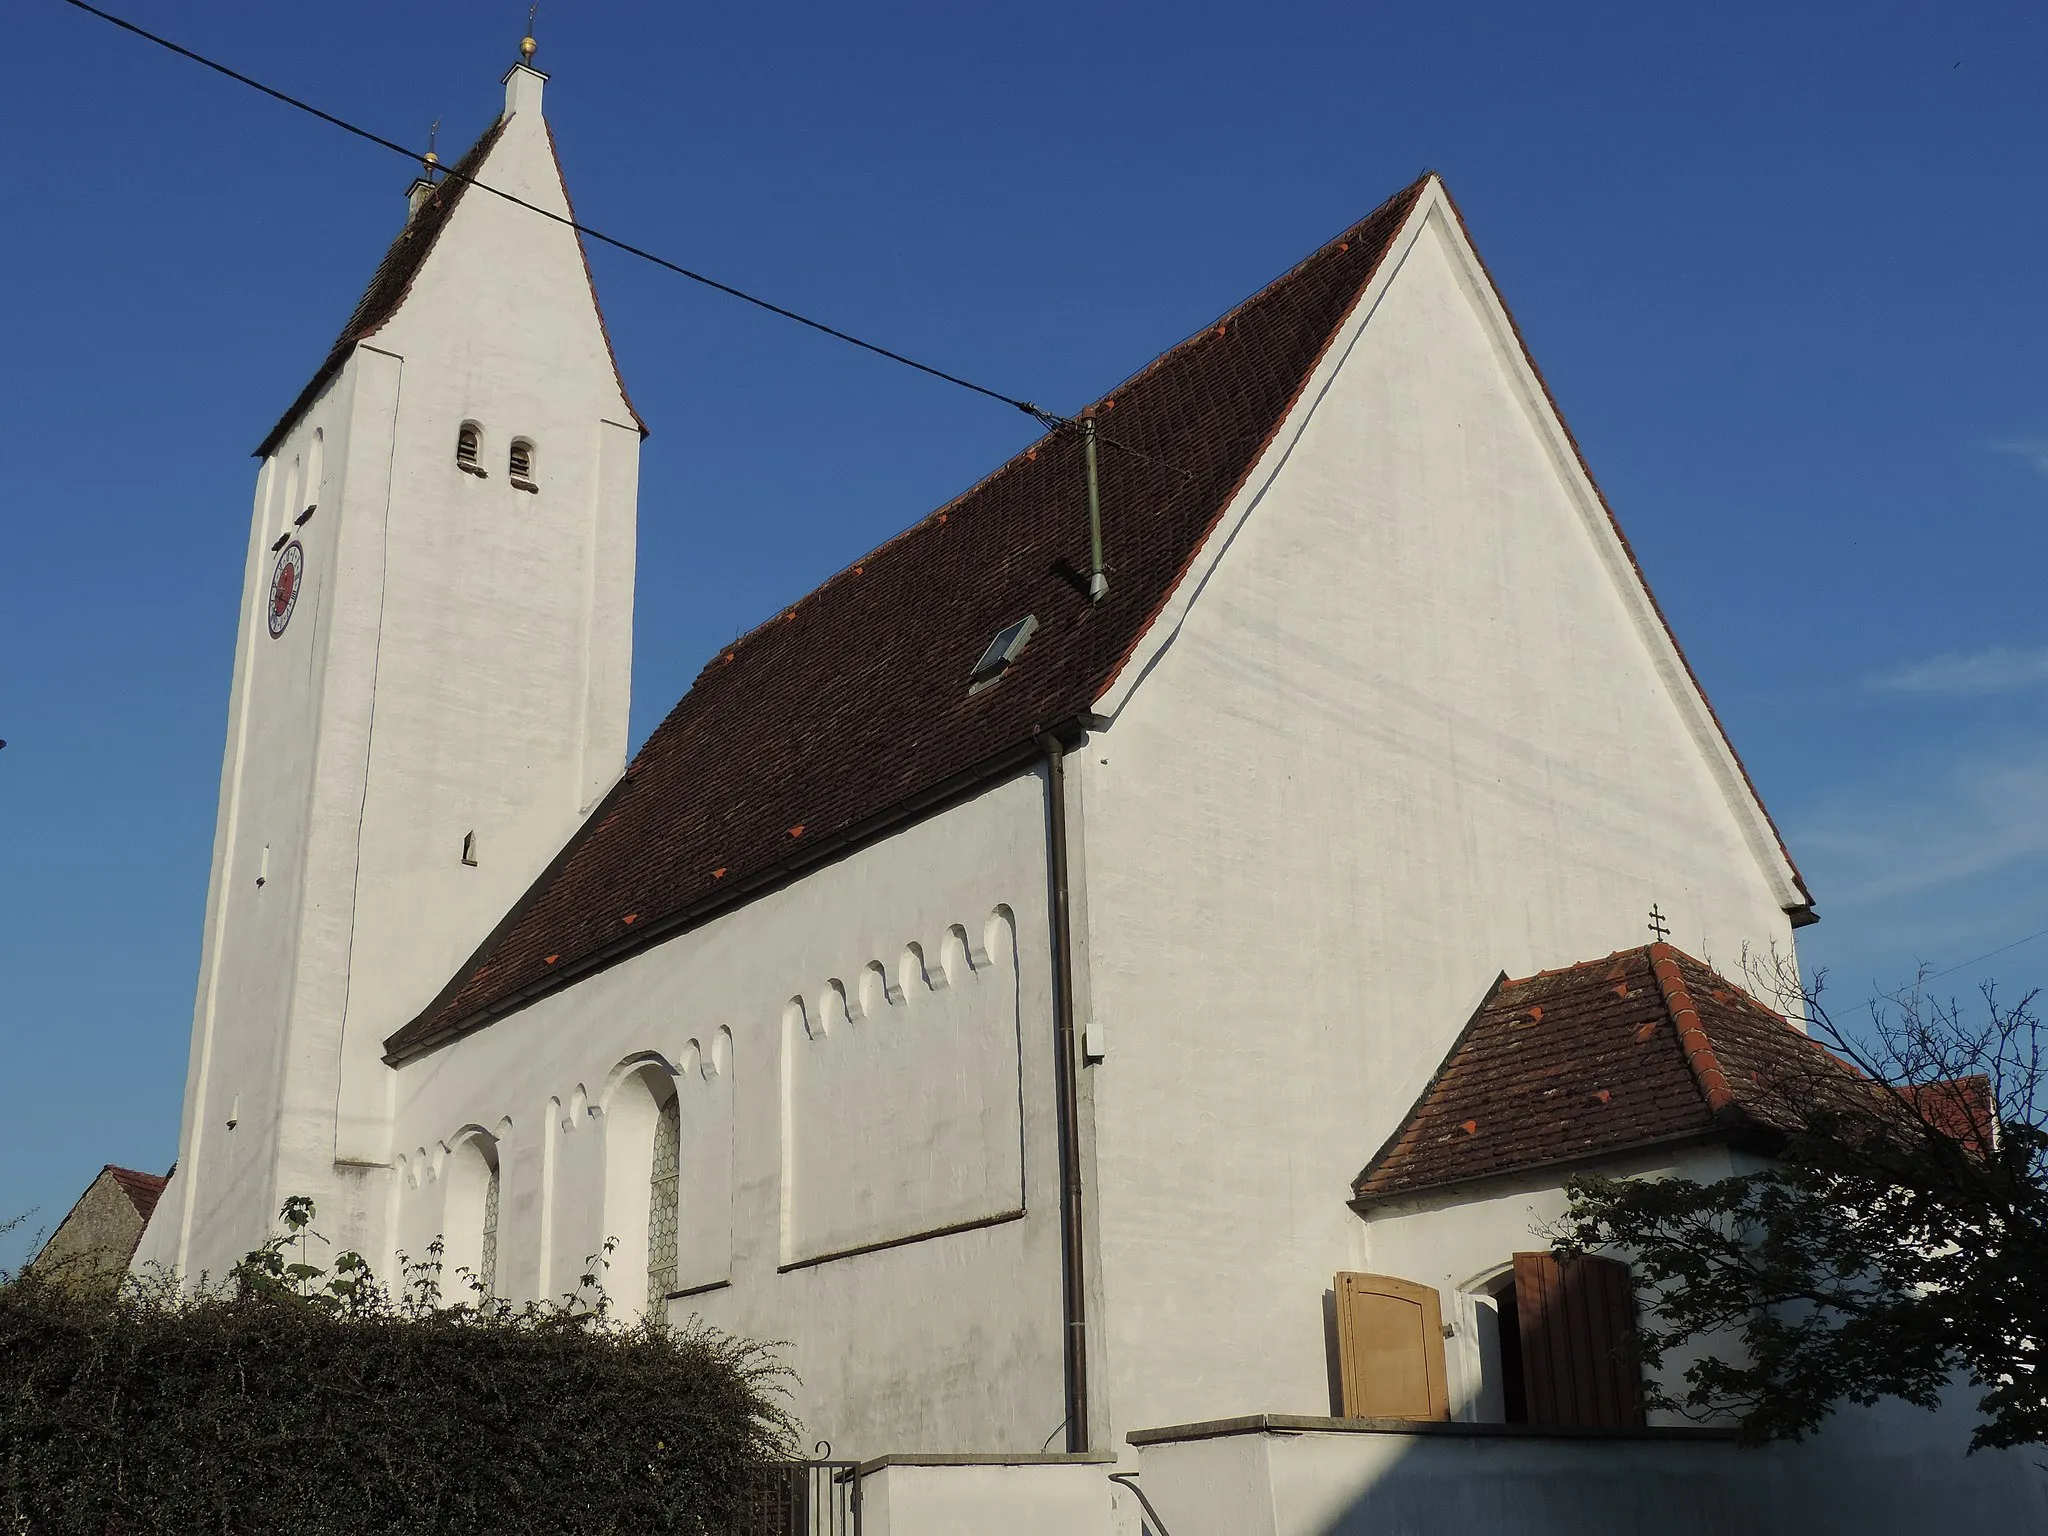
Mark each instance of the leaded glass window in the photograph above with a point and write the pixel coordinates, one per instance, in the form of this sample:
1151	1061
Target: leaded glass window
487	1266
661	1204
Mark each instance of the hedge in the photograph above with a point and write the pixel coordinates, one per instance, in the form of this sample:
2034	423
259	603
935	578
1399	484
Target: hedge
306	1399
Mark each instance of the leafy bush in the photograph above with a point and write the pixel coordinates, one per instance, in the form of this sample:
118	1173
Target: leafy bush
303	1398
1896	1245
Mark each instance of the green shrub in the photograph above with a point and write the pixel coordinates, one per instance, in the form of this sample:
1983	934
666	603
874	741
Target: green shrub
302	1398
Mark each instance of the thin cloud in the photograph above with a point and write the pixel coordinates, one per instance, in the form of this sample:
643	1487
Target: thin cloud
2001	669
1978	817
2033	449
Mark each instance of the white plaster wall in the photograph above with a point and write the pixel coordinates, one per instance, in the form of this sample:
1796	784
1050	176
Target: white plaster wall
1461	1244
458	661
1407	726
1845	1483
948	1342
1045	1500
269	946
903	1093
1879	1460
504	655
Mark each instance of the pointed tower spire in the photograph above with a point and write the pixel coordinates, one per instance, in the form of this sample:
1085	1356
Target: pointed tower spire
522	80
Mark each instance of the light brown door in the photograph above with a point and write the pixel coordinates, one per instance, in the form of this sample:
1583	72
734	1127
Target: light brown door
1390	1340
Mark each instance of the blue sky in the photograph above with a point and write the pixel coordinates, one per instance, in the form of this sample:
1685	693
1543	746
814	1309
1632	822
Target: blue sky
1783	274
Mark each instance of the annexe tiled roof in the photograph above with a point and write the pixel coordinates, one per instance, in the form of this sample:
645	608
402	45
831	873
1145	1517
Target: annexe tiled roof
1645	1047
855	701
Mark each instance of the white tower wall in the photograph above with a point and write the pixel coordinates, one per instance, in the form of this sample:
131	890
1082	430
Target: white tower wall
457	665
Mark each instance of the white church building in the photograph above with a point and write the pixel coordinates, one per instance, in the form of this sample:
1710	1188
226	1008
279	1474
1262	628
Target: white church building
1078	1022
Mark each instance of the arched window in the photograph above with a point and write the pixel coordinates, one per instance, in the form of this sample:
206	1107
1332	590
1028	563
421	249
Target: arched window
469	1218
642	1156
487	1264
663	1185
520	464
469	447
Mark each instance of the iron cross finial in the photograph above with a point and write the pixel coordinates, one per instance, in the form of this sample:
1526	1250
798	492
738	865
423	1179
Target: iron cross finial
1658	927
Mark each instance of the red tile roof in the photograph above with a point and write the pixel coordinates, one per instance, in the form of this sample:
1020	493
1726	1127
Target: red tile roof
1963	1109
851	707
1644	1047
142	1189
855	700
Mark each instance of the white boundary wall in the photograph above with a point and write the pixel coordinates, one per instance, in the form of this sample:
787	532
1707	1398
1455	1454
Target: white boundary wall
1869	1474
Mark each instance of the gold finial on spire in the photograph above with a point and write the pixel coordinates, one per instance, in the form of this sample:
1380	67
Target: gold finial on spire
430	159
526	43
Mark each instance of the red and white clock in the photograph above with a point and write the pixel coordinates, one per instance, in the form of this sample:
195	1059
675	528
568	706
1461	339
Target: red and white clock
285	579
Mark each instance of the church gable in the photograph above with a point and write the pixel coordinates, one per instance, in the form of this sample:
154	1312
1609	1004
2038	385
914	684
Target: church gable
857	702
1426	465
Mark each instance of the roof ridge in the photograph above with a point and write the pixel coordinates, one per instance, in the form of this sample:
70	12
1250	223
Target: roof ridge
1578	965
1341	240
1701	1059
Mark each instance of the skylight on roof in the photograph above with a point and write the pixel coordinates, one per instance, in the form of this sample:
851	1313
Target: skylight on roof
1001	652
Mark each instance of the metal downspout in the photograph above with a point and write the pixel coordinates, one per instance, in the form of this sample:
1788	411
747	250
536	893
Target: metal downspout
1066	1086
1098	580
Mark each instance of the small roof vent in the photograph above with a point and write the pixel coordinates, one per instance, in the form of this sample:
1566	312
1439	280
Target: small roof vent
1001	652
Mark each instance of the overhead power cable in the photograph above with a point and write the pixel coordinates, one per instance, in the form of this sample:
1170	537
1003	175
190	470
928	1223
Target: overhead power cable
1980	959
1045	418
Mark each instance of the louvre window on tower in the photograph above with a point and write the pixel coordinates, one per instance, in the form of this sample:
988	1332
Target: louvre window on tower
469	443
520	464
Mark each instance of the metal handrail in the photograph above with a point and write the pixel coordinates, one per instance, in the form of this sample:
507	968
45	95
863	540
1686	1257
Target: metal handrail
1130	1481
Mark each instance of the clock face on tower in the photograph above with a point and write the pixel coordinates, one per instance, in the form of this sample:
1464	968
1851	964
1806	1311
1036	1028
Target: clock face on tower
284	586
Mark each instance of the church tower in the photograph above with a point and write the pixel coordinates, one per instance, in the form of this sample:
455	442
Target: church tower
430	689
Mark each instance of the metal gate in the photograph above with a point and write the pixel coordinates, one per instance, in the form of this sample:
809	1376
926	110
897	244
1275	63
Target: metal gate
820	1497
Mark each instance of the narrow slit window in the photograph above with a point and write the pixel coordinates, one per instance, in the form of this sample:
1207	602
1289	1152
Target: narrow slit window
469	849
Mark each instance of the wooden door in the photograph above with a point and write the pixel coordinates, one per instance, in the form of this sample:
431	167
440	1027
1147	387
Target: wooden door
1577	1323
1390	1345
